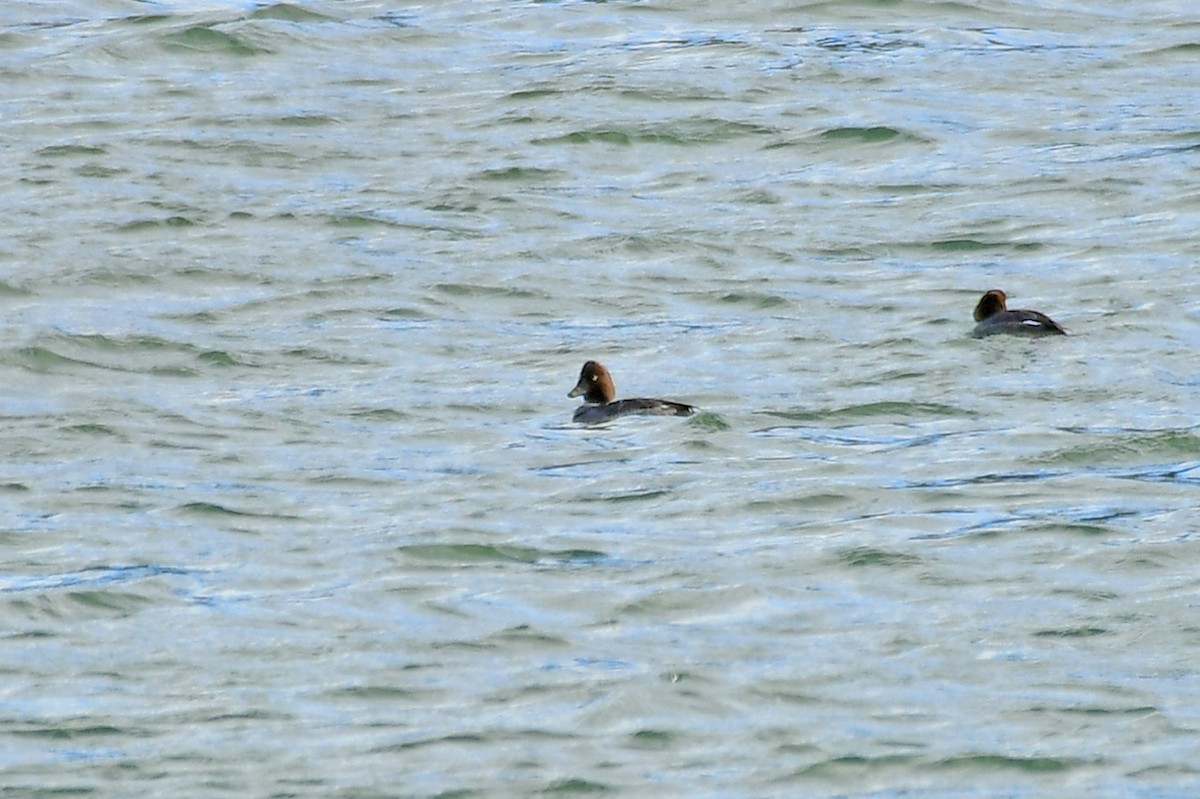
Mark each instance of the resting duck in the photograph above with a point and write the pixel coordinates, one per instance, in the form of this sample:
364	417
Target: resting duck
993	317
600	403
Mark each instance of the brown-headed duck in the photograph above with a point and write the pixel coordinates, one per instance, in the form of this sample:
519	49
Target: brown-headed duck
994	316
600	402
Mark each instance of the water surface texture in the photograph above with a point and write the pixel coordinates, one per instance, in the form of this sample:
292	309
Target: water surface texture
293	294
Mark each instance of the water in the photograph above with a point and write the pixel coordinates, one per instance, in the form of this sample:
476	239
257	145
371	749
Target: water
293	296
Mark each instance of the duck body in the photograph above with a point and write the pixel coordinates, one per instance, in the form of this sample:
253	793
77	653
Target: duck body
644	406
600	403
994	316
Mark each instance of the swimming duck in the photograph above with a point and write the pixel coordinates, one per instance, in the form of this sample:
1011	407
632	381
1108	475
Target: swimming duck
600	403
994	316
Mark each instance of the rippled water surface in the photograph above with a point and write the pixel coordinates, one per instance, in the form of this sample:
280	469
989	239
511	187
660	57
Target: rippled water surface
293	294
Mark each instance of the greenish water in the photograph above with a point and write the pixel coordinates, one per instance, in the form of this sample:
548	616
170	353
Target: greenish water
293	296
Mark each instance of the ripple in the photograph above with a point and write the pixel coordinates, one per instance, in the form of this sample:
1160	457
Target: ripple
690	132
985	763
476	553
91	576
205	39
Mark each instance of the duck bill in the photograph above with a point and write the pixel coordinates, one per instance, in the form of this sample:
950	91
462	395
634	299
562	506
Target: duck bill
580	389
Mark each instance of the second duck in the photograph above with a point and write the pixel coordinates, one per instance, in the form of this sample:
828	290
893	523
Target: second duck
993	316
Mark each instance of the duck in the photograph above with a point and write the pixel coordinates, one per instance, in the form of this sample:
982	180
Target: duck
600	403
994	316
